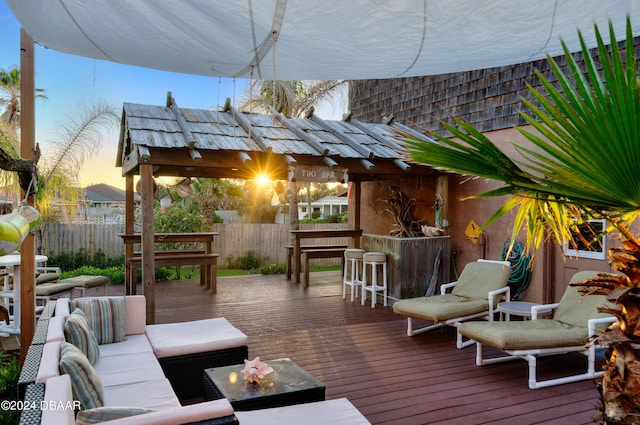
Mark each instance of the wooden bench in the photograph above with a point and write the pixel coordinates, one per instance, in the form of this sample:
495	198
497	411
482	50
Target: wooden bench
207	263
305	248
310	254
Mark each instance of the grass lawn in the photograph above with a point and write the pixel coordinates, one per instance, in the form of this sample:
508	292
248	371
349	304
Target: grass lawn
195	273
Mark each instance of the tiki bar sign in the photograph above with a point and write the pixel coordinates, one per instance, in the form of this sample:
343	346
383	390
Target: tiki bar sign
318	174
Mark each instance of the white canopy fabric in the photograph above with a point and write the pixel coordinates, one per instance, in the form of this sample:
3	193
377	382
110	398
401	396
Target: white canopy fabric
318	40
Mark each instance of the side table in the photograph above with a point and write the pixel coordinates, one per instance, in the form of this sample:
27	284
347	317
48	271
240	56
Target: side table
517	308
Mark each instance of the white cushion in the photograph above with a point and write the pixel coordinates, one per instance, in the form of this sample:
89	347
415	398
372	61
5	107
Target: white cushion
57	391
185	414
155	394
133	344
135	314
49	362
62	307
199	336
55	331
339	411
128	368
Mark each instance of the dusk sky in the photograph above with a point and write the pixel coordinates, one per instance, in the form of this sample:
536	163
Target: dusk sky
69	81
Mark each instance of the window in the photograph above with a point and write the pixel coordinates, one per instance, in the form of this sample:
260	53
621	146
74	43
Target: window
590	241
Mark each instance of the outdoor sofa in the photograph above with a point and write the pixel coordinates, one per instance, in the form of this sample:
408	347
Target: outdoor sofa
135	388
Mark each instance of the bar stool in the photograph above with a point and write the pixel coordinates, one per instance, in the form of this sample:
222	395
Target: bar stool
374	259
352	271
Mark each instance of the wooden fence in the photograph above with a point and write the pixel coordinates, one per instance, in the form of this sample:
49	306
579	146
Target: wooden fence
235	240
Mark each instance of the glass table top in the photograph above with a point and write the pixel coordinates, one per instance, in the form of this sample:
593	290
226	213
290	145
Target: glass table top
287	377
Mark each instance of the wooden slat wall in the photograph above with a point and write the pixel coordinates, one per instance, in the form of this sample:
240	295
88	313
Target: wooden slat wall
268	241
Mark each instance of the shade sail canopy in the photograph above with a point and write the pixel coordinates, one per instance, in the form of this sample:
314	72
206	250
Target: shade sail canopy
318	40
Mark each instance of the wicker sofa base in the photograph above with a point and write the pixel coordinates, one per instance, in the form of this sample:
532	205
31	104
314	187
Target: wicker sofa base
185	372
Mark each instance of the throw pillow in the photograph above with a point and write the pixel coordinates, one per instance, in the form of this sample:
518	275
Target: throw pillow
78	333
85	382
106	317
108	413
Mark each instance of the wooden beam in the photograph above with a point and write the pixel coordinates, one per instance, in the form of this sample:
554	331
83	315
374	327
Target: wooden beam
299	132
254	133
409	131
27	151
350	141
129	217
189	140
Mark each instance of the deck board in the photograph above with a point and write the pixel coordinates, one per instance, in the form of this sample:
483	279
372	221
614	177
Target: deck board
364	354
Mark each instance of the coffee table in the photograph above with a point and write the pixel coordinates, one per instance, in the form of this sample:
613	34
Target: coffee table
288	384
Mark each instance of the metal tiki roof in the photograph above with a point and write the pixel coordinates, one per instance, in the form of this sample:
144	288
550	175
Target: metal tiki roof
185	142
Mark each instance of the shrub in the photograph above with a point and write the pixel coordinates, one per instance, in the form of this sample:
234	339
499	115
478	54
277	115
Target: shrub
9	376
272	269
247	262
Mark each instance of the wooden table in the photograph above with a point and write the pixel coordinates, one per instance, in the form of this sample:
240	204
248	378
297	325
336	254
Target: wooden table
207	271
298	235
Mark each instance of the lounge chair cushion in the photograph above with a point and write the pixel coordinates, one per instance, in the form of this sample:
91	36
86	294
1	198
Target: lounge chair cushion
525	335
86	384
440	307
108	413
576	308
78	333
198	336
477	279
106	317
53	288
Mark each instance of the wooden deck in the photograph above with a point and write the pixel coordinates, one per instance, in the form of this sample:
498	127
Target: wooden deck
364	354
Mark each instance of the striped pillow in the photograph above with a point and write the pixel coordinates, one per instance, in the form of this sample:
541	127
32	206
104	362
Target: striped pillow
78	333
108	413
106	317
85	382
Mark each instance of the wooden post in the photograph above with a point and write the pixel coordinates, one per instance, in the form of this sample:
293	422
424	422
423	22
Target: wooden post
356	194
442	189
148	261
130	205
27	150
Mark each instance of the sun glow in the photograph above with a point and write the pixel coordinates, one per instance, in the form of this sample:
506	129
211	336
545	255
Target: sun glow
263	179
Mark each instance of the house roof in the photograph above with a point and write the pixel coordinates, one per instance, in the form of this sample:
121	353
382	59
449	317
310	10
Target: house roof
188	142
330	200
104	193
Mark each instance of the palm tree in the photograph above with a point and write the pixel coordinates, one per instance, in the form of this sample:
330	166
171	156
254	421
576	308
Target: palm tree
76	141
583	163
10	97
291	98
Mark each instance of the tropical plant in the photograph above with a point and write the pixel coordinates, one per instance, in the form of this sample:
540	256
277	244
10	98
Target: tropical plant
583	162
10	100
58	186
291	98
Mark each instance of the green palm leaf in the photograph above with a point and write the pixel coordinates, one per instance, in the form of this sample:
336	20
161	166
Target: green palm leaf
583	160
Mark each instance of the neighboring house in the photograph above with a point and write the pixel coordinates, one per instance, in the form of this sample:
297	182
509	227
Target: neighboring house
490	99
102	203
329	205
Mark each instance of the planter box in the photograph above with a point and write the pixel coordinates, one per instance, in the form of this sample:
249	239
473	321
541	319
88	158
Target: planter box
410	262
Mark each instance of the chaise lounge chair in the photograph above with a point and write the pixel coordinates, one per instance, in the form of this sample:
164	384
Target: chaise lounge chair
475	294
574	321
